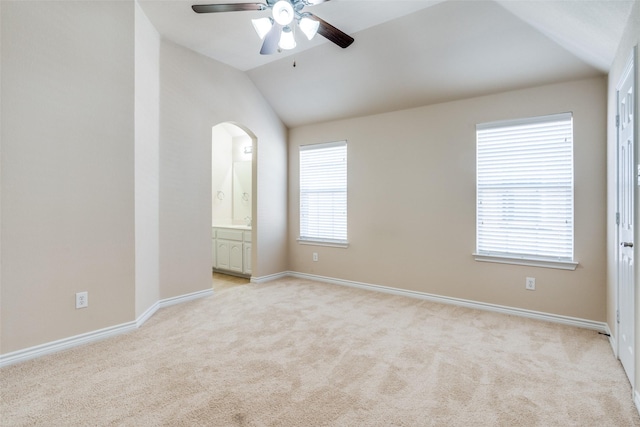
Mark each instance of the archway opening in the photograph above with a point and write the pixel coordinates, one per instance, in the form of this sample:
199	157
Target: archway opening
232	203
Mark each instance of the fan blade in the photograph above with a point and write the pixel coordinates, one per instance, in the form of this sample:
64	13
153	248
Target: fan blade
332	34
271	40
315	2
233	7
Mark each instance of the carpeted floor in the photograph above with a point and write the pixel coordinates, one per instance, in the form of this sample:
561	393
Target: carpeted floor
299	353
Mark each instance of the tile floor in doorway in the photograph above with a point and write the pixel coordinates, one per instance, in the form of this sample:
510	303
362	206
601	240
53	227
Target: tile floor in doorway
225	281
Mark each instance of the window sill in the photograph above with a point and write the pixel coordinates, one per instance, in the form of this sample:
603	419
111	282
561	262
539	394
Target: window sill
320	242
561	265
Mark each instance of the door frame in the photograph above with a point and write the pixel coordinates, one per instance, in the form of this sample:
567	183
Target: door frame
229	127
635	172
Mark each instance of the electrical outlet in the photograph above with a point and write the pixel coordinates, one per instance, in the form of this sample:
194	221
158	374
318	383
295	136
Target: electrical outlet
82	299
315	256
530	283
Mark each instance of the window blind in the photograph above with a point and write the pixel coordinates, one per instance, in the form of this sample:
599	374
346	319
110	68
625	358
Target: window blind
525	188
323	192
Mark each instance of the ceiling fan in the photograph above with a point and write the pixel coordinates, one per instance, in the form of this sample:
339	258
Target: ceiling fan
277	30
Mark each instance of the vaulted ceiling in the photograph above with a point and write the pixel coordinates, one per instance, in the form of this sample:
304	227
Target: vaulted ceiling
406	53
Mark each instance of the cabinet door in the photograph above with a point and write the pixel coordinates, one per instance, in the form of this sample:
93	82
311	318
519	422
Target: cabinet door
222	254
235	256
247	258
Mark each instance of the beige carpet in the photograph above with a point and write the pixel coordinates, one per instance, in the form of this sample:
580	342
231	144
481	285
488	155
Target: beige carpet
299	353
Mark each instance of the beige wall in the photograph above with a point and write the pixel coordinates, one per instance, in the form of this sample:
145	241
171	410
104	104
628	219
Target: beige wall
630	39
196	94
412	202
67	168
106	157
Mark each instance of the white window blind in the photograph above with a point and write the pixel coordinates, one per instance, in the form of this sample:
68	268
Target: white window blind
323	192
525	188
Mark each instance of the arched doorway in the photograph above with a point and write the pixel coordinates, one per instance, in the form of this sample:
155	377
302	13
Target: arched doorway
232	207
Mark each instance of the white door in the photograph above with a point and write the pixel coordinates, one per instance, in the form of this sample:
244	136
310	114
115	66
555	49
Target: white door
626	183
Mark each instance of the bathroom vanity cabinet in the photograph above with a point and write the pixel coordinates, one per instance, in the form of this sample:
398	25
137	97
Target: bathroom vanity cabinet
231	249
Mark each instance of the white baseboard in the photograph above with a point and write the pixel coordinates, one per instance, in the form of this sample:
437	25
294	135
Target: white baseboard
147	314
270	277
93	336
169	302
65	343
184	298
612	341
555	318
636	400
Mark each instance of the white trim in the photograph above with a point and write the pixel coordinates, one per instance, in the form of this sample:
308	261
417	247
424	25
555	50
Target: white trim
147	314
269	277
636	400
630	66
65	343
544	263
316	145
167	302
612	341
94	336
320	242
526	121
170	301
549	317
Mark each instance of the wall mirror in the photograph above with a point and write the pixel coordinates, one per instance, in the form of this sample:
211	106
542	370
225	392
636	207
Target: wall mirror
242	192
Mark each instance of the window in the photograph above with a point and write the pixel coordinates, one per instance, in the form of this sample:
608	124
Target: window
323	193
525	191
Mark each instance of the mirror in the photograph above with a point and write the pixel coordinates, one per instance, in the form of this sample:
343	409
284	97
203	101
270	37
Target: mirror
242	192
231	176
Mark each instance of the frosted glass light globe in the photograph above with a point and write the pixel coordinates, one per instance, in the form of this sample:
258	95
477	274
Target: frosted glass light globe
283	12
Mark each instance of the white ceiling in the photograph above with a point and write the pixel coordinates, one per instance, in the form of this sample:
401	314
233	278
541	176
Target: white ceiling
406	53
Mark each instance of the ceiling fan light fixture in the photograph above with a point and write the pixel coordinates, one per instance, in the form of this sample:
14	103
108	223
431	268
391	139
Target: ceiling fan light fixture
262	26
309	26
287	40
283	12
277	31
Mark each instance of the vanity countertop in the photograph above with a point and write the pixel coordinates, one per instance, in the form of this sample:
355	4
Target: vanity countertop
235	227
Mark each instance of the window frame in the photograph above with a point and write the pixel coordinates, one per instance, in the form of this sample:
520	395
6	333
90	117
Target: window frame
506	257
323	240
